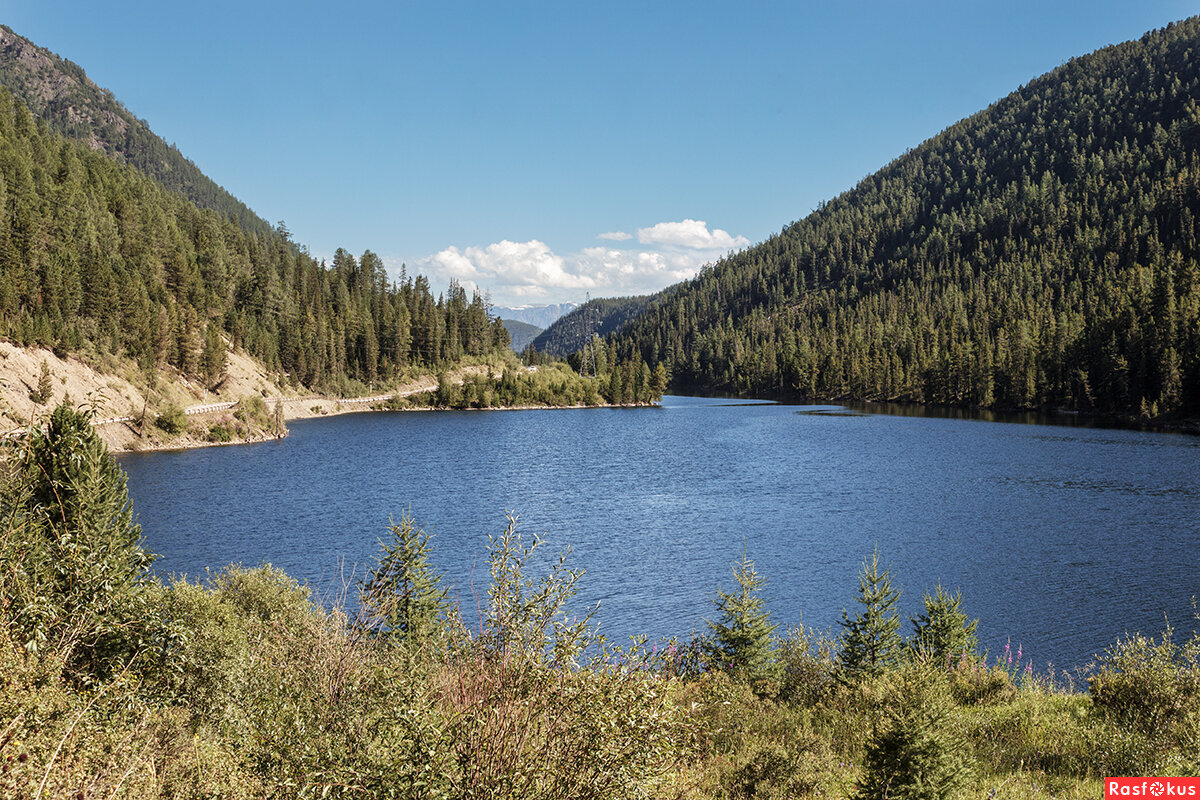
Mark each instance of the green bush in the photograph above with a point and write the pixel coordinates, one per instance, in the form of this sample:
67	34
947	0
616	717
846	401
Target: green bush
265	595
221	433
755	747
253	409
806	657
537	709
974	684
200	649
1152	687
172	420
322	714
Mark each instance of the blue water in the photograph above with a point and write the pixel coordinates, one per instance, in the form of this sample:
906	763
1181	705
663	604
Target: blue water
1060	538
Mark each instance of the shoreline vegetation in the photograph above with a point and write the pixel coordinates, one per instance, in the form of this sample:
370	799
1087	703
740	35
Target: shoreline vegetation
1037	416
138	411
246	685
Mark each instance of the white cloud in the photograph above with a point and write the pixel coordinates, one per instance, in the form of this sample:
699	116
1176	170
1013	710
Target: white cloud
521	272
690	233
523	268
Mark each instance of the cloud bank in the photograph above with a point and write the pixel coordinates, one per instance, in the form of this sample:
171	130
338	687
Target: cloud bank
522	272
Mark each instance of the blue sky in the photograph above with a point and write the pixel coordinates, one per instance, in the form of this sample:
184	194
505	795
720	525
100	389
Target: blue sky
499	142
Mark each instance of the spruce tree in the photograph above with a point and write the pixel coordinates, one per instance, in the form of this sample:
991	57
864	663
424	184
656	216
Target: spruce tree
913	755
943	633
403	597
45	386
741	639
871	640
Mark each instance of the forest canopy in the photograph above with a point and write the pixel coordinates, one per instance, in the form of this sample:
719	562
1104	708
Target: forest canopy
94	256
1041	253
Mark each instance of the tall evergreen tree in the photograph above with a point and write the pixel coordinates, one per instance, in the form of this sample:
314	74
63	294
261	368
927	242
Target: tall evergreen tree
870	640
214	357
403	596
742	637
77	559
943	633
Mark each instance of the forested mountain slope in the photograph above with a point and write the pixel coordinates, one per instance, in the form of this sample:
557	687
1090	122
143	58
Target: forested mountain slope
97	258
521	333
1042	252
602	316
60	92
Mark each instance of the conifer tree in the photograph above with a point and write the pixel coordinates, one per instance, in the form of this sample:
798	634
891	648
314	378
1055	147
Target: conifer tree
943	633
213	358
871	641
659	381
741	639
402	596
80	562
45	386
913	755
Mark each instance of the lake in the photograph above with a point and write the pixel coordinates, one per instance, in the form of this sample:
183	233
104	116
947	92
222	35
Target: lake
1060	538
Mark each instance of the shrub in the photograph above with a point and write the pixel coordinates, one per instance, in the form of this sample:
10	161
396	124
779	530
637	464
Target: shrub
533	712
172	420
200	649
221	432
974	684
754	747
1152	687
321	715
807	660
56	741
265	595
253	409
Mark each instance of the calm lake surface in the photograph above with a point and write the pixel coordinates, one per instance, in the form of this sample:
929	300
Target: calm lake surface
1061	538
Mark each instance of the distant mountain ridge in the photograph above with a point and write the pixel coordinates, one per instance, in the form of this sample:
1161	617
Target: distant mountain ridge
60	92
541	316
